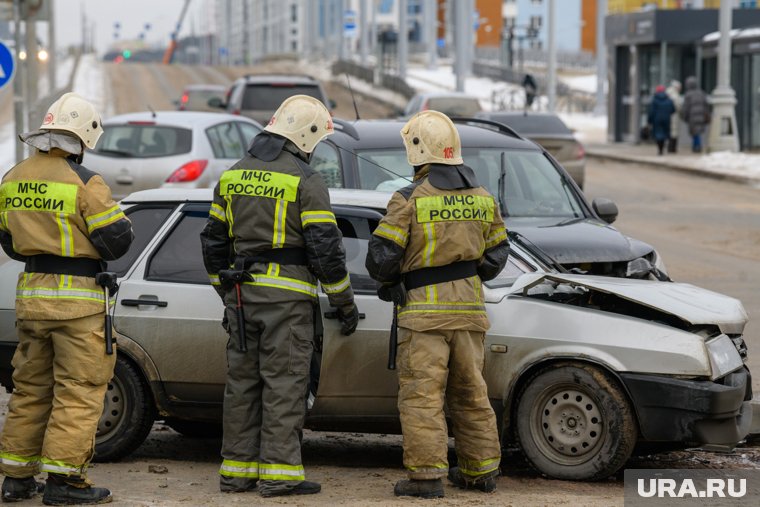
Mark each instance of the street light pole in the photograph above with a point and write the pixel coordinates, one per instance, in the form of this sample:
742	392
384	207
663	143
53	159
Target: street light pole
551	81
403	37
461	40
723	135
601	59
18	92
364	32
430	15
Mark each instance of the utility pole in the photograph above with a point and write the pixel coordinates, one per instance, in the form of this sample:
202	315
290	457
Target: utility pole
462	40
402	41
32	69
18	92
723	135
341	30
364	32
601	58
551	75
430	16
52	56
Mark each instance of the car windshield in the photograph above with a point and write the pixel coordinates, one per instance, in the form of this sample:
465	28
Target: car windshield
144	141
454	106
533	124
533	187
266	97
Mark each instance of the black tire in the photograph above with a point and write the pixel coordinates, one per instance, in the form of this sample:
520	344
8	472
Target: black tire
195	429
128	413
574	422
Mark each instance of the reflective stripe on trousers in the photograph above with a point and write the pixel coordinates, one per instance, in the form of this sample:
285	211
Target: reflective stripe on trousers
248	469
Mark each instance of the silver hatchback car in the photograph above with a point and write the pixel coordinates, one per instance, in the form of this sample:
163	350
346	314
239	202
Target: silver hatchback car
138	151
579	368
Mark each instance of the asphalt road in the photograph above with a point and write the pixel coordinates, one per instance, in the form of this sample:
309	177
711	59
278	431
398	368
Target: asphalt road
707	230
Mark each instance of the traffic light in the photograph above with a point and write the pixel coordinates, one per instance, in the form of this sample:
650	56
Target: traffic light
127	54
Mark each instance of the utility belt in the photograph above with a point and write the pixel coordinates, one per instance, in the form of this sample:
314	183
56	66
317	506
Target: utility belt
439	274
286	256
57	265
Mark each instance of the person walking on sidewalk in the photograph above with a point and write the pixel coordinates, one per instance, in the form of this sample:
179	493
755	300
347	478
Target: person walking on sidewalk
58	218
442	236
660	110
695	112
674	93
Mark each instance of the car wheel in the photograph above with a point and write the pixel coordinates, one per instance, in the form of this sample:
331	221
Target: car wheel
575	423
128	414
195	429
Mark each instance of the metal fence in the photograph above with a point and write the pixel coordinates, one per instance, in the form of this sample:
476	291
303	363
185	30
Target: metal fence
576	60
368	74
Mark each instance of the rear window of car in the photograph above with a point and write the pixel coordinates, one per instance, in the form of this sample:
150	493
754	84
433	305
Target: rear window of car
198	99
144	141
532	124
266	97
454	106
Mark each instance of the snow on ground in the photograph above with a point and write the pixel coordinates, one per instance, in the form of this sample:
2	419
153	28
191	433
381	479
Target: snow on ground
486	90
588	128
582	83
741	164
90	83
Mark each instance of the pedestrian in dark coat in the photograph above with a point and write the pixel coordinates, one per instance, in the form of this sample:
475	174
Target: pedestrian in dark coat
695	111
660	110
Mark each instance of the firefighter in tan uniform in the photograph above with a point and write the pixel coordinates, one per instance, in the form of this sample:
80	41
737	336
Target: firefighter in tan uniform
271	235
441	237
59	219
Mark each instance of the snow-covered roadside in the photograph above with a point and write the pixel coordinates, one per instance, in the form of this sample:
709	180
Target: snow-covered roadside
90	83
735	164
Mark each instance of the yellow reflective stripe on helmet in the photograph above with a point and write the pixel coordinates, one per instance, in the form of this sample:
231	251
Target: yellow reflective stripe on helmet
282	282
214	279
280	214
231	468
277	472
6	458
430	241
35	195
317	217
334	288
475	468
254	183
58	293
496	237
61	467
107	217
454	207
393	233
67	239
217	212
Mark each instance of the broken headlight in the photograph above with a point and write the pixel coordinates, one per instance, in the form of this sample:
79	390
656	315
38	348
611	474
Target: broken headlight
724	358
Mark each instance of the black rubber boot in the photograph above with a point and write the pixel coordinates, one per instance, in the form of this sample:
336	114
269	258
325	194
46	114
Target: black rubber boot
15	490
485	483
421	489
69	490
303	488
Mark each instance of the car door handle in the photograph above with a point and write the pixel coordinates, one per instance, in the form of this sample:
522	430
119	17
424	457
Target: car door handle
138	302
124	179
333	314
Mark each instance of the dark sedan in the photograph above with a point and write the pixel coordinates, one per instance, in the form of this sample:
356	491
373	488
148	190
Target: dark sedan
538	197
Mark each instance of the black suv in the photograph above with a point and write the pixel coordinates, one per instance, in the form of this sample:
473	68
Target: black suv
539	200
259	96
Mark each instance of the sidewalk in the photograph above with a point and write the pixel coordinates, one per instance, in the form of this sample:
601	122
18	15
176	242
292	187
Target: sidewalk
738	167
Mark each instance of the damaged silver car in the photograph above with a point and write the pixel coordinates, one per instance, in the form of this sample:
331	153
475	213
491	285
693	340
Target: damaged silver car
580	369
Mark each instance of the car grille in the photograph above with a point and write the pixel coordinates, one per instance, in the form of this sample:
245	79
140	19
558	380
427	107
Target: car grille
740	345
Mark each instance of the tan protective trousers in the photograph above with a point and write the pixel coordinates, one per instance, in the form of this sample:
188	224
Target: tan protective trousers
61	373
431	365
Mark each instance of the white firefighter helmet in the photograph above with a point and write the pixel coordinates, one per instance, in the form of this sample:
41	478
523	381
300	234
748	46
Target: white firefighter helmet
303	120
430	137
72	113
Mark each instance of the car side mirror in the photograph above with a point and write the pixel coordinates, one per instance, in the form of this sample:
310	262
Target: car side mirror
216	102
331	104
606	209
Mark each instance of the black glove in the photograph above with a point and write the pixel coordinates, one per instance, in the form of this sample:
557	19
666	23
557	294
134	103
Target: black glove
349	318
395	293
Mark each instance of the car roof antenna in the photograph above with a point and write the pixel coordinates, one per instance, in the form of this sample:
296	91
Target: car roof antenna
152	111
353	99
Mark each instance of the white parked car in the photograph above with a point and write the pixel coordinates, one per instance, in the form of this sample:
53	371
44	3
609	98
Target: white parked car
139	151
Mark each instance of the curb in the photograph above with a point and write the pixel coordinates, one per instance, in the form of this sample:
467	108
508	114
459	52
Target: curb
736	178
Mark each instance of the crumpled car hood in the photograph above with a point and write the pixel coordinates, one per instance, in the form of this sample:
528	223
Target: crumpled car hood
577	242
692	304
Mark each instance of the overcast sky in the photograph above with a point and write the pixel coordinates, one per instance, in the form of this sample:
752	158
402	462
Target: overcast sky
131	14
